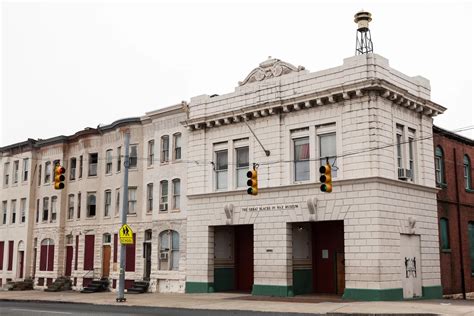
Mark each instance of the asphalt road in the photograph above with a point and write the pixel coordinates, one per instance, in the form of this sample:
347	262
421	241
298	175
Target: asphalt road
16	308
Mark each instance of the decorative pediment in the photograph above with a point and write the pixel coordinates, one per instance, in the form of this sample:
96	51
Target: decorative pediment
270	68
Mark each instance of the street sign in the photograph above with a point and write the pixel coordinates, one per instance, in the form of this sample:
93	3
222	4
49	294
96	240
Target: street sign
126	235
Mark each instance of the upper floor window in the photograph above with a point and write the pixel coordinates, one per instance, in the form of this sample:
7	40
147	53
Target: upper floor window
132	200
399	146
163	195
81	164
151	152
165	148
13	212
93	158
54	204
467	172
221	167
4	212
242	166
72	169
79	203
117	201
6	173
23	210
45	209
149	197
47	172
133	156
70	206
16	168
39	174
411	154
26	166
444	232
327	151
91	204
176	194
119	158
37	210
301	154
107	202
177	145
439	166
108	161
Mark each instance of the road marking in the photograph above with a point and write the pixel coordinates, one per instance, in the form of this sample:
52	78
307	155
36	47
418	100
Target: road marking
39	311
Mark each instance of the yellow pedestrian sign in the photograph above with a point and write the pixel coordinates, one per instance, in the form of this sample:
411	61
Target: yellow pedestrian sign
126	235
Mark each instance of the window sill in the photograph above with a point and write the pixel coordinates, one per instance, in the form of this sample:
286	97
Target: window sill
441	185
92	176
446	250
470	190
132	214
175	210
150	166
107	217
108	174
72	180
90	218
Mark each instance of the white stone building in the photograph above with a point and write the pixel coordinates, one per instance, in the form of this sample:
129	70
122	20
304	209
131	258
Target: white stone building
197	230
374	237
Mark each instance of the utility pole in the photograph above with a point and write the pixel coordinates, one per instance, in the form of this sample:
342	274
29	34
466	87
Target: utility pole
121	286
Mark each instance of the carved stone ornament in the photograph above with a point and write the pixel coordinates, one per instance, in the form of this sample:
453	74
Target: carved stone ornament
270	68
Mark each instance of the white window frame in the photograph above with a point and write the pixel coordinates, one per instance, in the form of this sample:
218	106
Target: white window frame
225	185
72	171
164	197
70	206
45	209
107	202
6	173
93	166
165	149
47	172
132	200
23	210
16	170
133	157
177	150
13	211
26	168
151	152
88	204
4	212
176	201
169	252
243	169
108	161
54	205
149	197
294	138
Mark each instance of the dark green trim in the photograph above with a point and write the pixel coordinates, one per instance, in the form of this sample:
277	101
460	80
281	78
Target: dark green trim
272	290
302	281
432	292
199	287
374	295
224	279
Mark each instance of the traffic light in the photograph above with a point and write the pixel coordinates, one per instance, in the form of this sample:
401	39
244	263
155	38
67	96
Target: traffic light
325	178
59	177
252	182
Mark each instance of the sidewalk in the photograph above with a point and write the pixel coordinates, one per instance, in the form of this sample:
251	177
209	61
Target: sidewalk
233	301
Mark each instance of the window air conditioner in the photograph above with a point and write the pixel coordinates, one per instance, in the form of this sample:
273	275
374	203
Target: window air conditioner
409	174
163	206
402	174
163	256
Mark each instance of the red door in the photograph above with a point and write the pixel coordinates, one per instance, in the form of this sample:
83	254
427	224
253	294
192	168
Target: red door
328	240
21	256
89	252
244	257
69	250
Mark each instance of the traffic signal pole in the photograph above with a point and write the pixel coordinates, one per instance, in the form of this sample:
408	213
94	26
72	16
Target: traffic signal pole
121	285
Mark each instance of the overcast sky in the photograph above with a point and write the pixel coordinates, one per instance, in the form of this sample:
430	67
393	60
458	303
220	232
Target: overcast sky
67	65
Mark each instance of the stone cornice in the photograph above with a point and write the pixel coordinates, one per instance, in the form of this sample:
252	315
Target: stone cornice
315	185
382	87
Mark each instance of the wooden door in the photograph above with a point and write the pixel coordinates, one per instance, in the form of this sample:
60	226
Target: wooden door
147	253
328	240
244	257
106	261
21	256
69	251
89	252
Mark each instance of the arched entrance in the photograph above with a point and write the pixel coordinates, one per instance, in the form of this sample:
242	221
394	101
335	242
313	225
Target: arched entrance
21	259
